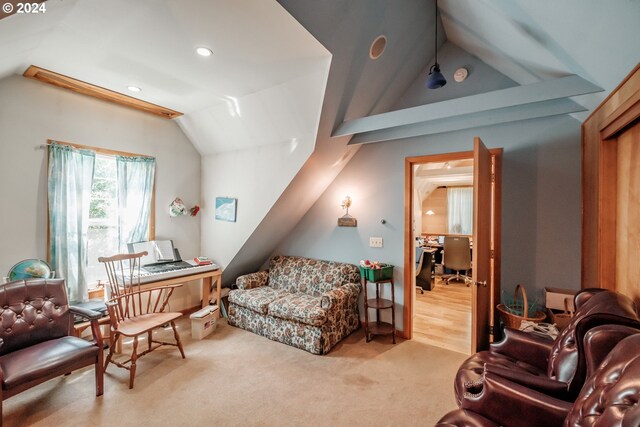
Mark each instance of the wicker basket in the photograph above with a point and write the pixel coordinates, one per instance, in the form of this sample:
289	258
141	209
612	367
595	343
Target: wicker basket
509	314
561	320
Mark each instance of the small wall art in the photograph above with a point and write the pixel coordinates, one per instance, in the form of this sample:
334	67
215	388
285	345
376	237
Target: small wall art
226	209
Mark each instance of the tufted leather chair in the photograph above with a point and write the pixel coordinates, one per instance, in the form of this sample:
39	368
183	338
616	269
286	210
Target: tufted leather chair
36	344
557	368
608	398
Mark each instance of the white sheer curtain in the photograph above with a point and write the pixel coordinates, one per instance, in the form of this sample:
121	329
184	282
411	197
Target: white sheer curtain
460	210
135	176
69	193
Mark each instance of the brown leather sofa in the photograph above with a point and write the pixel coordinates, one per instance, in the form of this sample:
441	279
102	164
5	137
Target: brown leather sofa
557	368
609	397
36	343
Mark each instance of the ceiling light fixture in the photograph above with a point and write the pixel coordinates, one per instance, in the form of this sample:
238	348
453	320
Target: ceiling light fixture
135	89
204	51
436	79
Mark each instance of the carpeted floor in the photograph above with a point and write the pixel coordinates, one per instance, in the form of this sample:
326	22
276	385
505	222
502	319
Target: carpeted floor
236	378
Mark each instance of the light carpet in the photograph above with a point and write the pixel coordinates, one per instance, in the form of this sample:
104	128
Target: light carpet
236	378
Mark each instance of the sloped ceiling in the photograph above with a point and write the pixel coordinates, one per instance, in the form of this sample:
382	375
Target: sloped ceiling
357	86
529	41
496	33
565	57
259	51
259	47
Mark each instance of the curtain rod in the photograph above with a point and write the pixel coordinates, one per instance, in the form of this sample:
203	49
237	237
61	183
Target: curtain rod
98	150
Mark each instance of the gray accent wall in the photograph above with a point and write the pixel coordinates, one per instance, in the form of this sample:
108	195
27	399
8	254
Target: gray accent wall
541	203
357	86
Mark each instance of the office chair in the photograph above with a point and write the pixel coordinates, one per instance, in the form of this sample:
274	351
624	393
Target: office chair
457	256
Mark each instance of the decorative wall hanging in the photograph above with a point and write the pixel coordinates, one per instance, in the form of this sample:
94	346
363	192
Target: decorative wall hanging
177	208
226	209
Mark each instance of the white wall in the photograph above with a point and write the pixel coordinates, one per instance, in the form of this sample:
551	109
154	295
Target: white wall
32	112
541	184
256	177
286	119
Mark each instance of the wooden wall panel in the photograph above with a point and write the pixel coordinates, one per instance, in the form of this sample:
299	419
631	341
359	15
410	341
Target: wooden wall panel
628	214
437	202
598	184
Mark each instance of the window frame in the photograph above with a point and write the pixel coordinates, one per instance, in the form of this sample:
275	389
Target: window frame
104	152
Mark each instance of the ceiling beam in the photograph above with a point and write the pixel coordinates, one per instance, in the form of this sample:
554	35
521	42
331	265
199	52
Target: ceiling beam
84	88
511	97
474	120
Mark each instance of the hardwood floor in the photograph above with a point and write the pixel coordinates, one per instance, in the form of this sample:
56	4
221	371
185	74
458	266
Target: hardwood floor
442	317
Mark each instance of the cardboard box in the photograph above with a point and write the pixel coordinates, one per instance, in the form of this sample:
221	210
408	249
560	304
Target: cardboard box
203	322
554	298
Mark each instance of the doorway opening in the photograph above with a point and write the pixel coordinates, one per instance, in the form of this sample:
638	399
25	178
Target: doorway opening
453	316
443	215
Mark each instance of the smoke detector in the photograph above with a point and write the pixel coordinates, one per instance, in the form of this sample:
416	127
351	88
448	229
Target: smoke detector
460	75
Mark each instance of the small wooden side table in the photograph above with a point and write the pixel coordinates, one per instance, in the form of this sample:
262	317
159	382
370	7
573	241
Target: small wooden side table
377	327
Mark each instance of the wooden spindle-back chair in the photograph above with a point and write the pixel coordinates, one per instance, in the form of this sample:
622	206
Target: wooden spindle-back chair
134	310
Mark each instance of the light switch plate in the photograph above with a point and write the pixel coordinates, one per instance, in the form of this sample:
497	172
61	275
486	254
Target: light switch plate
375	242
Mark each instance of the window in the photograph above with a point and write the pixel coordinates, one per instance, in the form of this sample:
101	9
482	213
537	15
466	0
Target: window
99	200
460	210
102	234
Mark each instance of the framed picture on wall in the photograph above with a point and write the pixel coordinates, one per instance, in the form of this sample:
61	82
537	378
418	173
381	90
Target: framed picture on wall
226	209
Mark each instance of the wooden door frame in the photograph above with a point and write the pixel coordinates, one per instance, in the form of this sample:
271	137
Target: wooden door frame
600	133
409	244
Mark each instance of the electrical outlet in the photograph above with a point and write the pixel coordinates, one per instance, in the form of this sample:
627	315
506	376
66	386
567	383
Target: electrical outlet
375	242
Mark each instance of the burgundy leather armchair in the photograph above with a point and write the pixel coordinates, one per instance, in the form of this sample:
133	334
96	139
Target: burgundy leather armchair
609	397
557	368
36	344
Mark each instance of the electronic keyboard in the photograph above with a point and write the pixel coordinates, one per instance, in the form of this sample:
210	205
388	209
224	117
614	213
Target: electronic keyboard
171	270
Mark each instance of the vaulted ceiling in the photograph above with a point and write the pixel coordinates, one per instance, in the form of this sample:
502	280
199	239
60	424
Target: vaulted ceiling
560	57
268	71
299	72
263	84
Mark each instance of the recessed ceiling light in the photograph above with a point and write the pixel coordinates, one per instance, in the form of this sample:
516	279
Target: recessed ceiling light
134	89
204	51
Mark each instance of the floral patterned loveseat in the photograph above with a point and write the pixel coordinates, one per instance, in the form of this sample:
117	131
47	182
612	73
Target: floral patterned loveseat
306	303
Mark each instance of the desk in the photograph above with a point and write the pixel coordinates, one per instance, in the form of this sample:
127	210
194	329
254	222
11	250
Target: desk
207	279
436	250
433	246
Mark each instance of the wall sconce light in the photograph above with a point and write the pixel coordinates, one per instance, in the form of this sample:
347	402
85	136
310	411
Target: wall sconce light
347	220
429	212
